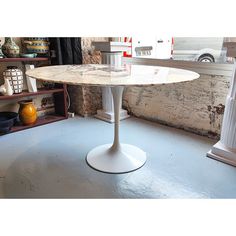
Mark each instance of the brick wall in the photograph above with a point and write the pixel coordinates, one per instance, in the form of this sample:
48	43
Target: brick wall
196	106
85	101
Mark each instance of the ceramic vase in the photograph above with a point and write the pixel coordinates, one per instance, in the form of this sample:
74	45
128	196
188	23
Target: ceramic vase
6	88
27	112
10	48
37	45
1	53
15	76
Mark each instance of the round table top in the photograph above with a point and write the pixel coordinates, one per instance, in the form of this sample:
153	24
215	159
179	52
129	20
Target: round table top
107	75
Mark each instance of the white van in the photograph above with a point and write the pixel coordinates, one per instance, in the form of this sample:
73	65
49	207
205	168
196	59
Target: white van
203	49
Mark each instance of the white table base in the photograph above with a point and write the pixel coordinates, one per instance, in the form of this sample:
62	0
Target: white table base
116	158
125	159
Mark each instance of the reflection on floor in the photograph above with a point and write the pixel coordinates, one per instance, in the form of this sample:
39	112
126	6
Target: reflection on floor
49	162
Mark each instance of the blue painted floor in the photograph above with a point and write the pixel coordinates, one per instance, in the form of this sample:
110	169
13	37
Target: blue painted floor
49	162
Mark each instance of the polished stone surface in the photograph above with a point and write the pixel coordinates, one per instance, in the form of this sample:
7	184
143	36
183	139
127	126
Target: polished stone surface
49	162
107	75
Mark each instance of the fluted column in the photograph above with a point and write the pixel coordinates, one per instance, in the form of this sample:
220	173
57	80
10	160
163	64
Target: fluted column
225	149
107	111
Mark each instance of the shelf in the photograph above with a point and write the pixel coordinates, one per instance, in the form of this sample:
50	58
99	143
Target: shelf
40	121
26	94
22	59
59	94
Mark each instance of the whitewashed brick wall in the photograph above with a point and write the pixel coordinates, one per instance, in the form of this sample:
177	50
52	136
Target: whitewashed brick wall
196	106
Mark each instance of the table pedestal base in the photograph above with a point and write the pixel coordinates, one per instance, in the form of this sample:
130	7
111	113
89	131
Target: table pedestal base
123	159
116	158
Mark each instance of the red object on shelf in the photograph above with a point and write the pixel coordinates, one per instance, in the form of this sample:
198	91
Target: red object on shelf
129	52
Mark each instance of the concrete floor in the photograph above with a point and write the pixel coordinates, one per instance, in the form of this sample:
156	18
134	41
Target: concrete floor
49	162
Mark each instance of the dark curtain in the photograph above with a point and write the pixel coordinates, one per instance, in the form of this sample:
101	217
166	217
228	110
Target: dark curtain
65	51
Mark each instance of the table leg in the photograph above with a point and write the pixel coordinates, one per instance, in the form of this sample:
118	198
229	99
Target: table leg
116	157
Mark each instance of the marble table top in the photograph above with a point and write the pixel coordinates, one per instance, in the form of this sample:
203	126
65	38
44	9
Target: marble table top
107	75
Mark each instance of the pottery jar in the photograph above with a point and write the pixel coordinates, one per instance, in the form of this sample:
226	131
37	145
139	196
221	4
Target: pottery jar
6	88
15	77
1	53
27	112
10	48
37	45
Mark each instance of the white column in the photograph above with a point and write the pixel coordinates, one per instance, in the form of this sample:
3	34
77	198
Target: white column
107	111
225	149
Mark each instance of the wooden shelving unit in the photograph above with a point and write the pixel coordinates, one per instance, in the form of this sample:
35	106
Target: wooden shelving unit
23	59
47	119
59	94
28	94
